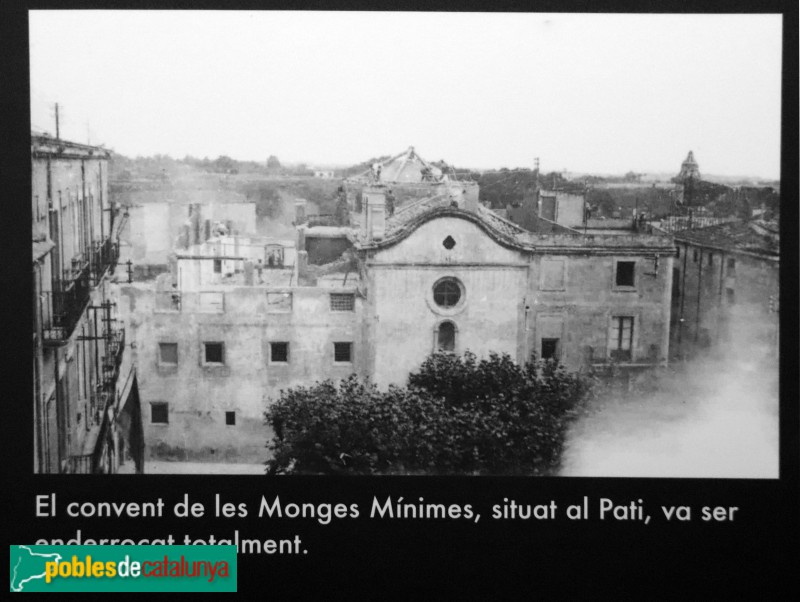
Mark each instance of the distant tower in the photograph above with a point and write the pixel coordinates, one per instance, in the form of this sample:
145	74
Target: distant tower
686	179
689	169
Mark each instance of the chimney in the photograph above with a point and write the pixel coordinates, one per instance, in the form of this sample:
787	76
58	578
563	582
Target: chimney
373	219
470	193
299	211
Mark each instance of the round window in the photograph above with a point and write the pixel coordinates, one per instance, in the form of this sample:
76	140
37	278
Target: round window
447	293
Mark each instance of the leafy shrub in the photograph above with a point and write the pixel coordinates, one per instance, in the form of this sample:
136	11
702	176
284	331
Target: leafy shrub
457	415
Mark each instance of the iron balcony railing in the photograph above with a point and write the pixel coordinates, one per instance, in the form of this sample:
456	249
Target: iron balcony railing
323	219
62	308
115	346
80	464
105	255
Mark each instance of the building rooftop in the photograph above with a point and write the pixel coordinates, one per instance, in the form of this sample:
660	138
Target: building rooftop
45	145
756	238
410	217
408	166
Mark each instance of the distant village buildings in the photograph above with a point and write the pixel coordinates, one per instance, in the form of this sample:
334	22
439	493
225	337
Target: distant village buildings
87	416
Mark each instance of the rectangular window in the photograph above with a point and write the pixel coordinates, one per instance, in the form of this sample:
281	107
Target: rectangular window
214	353
217	266
168	354
343	301
730	296
279	352
626	271
677	252
710	259
731	266
279	302
230	418
694	256
552	274
342	352
212	302
621	343
159	412
550	349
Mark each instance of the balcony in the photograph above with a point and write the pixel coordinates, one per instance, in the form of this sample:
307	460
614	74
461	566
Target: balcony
61	309
104	257
80	464
115	346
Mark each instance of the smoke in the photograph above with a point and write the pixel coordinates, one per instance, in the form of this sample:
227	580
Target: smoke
715	416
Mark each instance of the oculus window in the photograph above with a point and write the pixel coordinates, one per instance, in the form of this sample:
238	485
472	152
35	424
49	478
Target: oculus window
447	292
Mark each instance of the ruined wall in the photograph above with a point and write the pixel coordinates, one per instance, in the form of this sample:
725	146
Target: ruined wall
153	229
199	395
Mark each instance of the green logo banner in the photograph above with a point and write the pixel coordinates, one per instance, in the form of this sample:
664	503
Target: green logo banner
122	568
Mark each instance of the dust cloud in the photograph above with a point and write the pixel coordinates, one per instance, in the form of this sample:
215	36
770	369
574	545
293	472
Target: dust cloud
715	416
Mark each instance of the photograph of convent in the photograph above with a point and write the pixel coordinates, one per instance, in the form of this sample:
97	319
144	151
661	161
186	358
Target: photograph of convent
233	315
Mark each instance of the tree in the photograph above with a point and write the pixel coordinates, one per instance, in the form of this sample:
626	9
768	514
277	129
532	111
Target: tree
273	163
457	415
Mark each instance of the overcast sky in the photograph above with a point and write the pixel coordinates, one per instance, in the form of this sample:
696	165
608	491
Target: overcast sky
589	93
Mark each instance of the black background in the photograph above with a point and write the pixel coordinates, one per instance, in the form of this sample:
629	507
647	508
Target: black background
380	558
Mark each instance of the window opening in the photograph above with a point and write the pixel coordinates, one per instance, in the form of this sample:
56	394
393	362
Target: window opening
447	293
622	338
550	349
446	337
342	352
279	352
626	271
214	353
159	413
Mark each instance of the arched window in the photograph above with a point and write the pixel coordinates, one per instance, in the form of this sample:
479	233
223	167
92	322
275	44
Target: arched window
446	337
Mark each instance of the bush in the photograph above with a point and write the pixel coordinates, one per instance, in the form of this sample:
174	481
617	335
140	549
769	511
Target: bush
456	416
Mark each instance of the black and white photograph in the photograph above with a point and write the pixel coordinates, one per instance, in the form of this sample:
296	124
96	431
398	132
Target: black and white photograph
377	243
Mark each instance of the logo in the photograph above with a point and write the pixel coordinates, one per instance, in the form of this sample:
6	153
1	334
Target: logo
122	568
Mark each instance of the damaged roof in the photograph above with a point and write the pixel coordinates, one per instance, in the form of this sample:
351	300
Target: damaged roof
408	166
756	238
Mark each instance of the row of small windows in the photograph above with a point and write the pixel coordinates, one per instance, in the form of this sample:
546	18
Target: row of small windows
620	343
214	302
730	263
214	352
159	414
